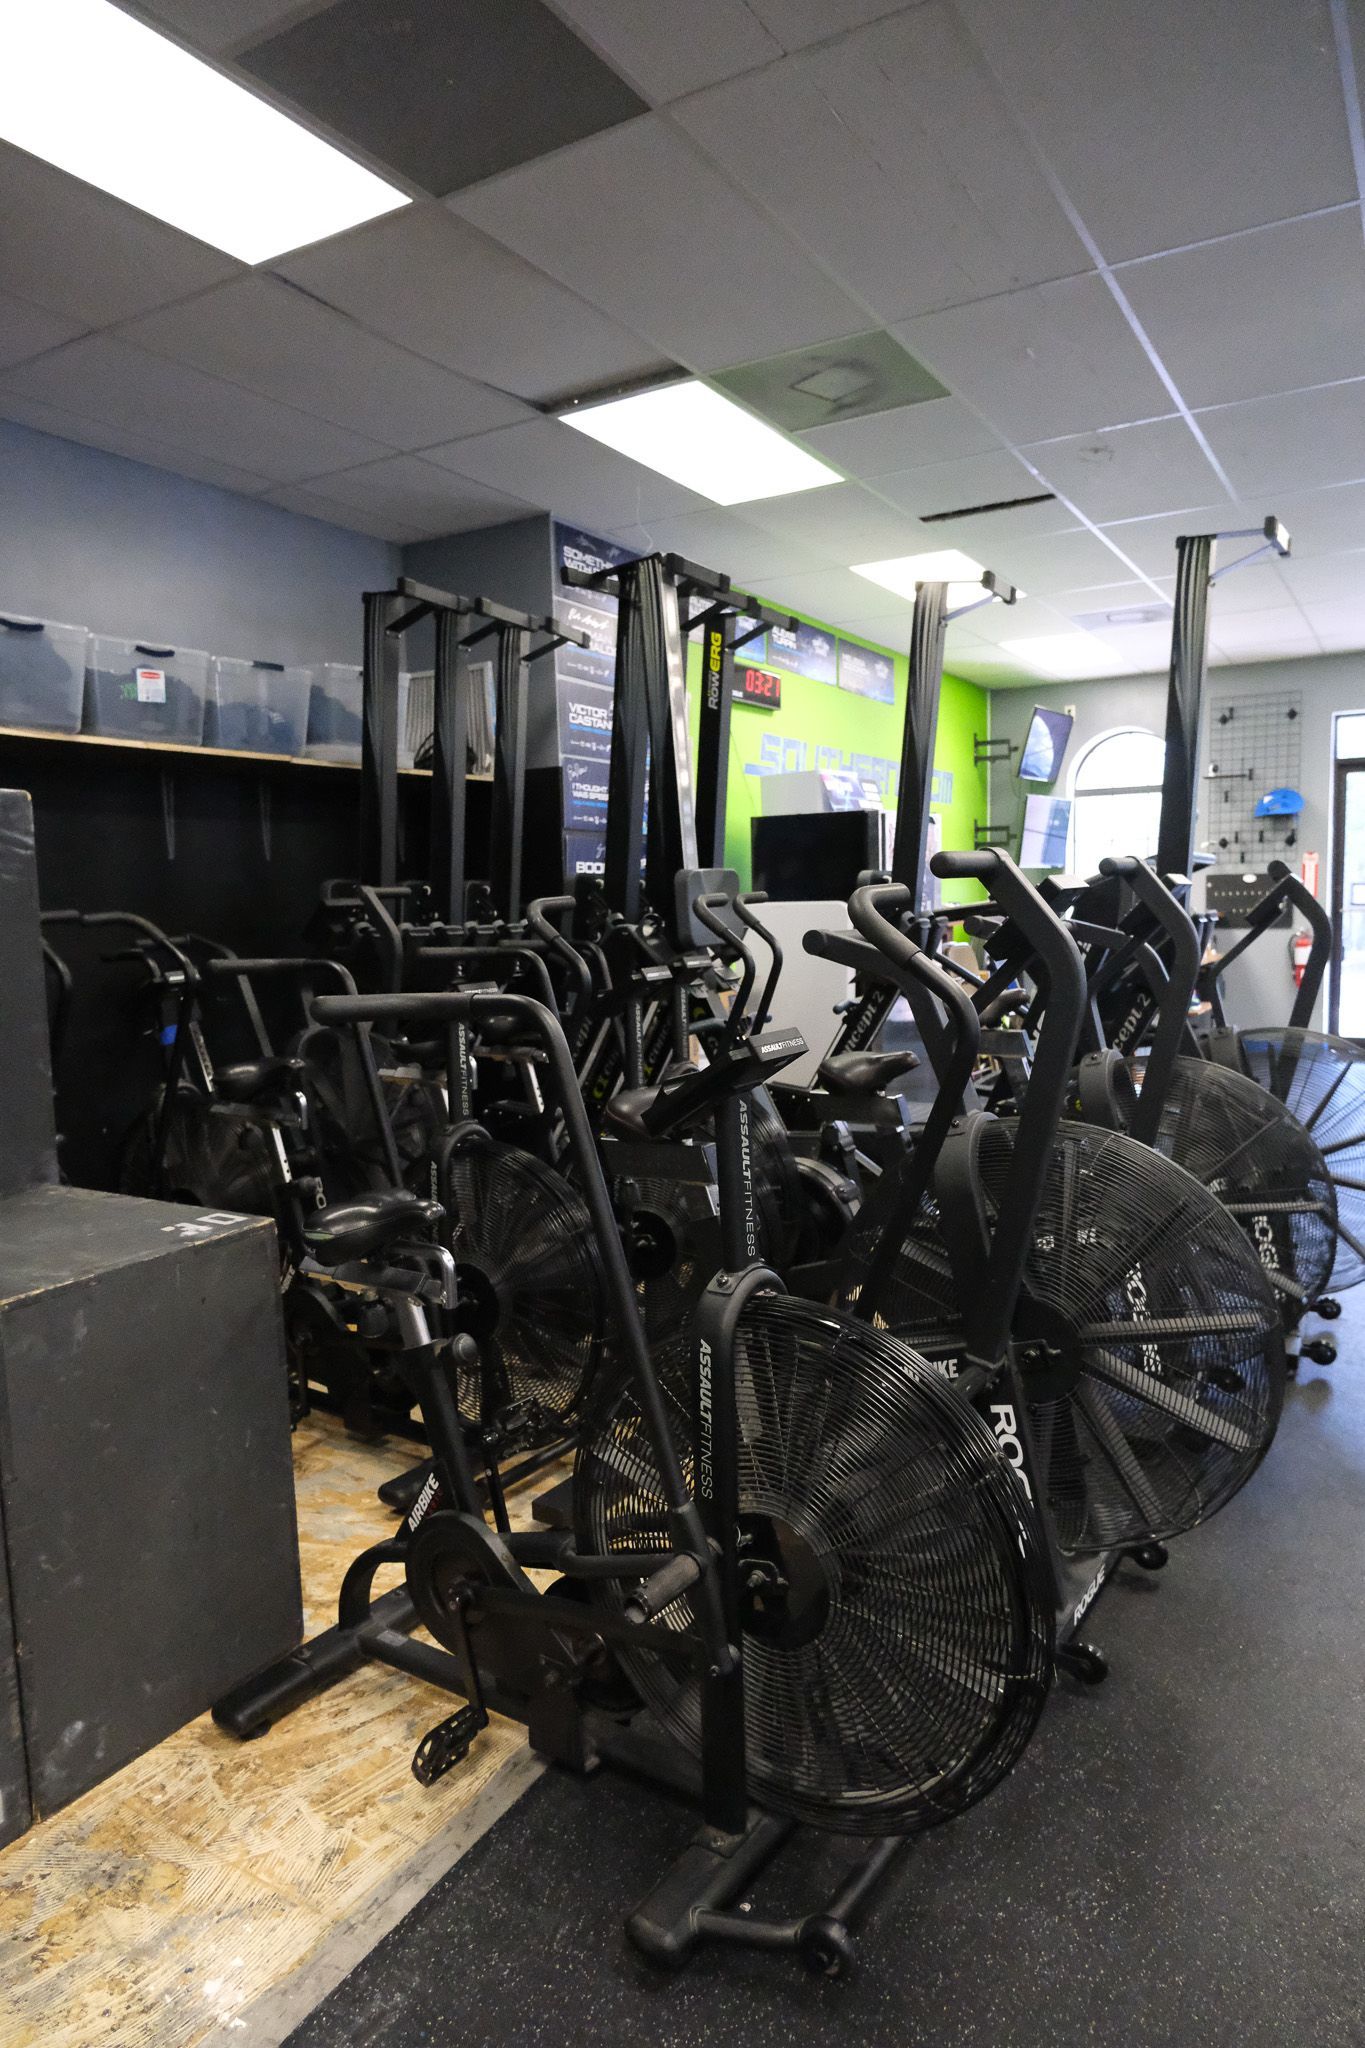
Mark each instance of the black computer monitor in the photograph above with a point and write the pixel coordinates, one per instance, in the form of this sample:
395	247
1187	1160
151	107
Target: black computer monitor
1047	821
814	856
1048	734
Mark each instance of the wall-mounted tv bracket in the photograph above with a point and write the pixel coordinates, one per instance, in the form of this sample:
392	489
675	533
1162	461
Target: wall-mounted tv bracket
1195	576
990	835
389	614
986	752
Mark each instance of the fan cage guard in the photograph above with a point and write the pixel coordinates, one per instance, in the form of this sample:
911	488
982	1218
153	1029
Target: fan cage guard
1321	1080
531	1289
1250	1151
1167	1375
920	1680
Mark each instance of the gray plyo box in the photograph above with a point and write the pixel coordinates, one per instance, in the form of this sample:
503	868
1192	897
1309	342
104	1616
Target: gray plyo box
145	1473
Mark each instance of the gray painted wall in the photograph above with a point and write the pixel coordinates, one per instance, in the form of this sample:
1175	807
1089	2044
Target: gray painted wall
1259	988
96	540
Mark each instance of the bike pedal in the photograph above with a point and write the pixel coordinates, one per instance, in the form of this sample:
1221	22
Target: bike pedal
447	1744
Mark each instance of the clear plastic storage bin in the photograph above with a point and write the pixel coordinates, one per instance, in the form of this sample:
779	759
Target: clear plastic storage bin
334	712
42	673
256	707
135	690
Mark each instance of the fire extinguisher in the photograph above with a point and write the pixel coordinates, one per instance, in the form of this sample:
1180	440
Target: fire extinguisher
1300	946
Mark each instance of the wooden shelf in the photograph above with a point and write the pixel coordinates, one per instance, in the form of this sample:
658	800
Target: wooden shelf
99	739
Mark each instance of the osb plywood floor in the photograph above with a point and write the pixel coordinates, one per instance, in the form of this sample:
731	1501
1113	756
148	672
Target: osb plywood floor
156	1908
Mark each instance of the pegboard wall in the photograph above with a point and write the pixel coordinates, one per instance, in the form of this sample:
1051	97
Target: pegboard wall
1253	748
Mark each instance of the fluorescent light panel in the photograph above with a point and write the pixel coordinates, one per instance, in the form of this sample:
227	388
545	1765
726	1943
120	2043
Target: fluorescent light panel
94	92
690	433
947	565
1063	654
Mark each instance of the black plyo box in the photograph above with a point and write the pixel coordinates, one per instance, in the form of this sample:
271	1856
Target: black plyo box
145	1473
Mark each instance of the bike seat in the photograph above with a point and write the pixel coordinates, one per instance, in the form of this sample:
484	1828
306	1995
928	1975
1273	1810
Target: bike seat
357	1229
628	1108
249	1080
863	1073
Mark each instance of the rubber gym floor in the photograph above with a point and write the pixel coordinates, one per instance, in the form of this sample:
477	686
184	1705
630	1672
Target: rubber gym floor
1180	1857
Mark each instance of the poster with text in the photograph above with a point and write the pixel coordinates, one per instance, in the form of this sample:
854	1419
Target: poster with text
866	673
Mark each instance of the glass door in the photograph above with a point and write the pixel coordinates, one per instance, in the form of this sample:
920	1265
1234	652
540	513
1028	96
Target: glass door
1348	900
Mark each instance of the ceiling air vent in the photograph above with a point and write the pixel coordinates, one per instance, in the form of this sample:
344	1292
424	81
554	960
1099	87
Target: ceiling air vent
838	380
975	511
1157	614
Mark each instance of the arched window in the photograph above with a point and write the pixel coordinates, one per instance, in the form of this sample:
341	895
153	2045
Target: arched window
1116	797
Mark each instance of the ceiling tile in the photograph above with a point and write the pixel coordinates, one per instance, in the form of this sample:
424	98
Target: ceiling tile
886	628
79	253
907	437
1061	563
137	446
104	378
954	486
446	91
857	147
1259	587
1339	627
1161	118
1149	544
434	284
274	339
642	189
550	465
1263	636
1323	579
797	22
1127	472
833	595
1135	650
216	25
1295	442
1022	620
984	534
1258	313
846	522
1057	359
418	496
26	330
872	372
724	541
1322	522
315	505
667	51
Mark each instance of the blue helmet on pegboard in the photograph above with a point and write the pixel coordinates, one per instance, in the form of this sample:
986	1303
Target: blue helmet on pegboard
1279	803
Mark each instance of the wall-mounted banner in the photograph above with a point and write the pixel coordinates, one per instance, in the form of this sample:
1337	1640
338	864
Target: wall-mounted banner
809	652
866	673
575	549
752	650
585	719
758	686
585	796
585	853
592	619
584	664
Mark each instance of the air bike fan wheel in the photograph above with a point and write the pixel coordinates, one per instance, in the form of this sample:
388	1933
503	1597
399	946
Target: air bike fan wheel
218	1162
529	1284
1321	1081
897	1623
1265	1169
1149	1338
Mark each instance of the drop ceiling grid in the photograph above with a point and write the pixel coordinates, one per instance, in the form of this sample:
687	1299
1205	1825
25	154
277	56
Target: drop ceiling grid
1038	354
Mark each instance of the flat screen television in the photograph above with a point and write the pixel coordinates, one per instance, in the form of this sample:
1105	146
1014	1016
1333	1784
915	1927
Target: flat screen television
816	856
1047	821
1048	733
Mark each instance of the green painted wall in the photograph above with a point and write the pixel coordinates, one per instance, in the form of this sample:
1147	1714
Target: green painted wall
819	726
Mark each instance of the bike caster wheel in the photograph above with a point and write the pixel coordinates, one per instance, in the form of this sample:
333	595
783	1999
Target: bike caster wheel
826	1948
1321	1350
1329	1308
1083	1662
1153	1557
